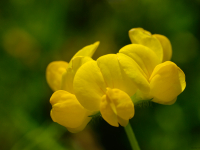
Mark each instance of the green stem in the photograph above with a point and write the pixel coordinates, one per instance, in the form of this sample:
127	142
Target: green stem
131	137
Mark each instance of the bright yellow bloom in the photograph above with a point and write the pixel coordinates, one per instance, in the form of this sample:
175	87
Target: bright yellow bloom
156	42
116	107
66	109
141	71
165	79
103	86
54	73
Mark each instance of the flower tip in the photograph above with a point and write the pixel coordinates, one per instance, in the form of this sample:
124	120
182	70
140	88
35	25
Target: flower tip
139	29
133	29
96	44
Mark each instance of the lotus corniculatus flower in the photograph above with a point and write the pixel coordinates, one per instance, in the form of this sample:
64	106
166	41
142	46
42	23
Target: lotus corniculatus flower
114	83
103	86
152	54
66	109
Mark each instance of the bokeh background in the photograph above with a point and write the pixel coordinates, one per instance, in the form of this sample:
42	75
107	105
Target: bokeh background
34	33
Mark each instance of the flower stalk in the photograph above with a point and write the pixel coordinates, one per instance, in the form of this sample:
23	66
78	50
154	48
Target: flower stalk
131	137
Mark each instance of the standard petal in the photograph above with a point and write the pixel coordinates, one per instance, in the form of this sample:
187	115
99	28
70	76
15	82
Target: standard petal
86	51
67	111
67	81
134	72
89	85
140	36
78	61
68	76
167	82
114	75
166	45
143	56
54	73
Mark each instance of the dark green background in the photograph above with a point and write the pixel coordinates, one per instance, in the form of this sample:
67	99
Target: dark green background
34	33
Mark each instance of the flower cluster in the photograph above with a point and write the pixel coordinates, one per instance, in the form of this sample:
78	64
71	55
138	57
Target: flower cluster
113	83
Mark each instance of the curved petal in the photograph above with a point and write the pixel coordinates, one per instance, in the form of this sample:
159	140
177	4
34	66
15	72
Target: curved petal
107	112
67	111
123	103
116	106
143	37
134	72
167	82
67	81
89	85
164	102
86	51
182	78
166	45
68	76
54	73
113	74
83	125
143	56
139	96
78	61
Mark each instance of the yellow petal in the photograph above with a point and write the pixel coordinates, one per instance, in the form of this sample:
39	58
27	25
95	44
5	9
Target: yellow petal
122	122
78	61
107	112
84	123
140	36
114	75
123	103
89	85
139	95
143	56
166	45
86	51
182	79
54	73
67	81
134	72
164	102
68	76
67	111
167	82
116	106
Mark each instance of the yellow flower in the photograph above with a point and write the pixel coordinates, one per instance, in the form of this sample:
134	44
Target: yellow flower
54	73
165	79
156	42
66	109
140	71
103	86
166	82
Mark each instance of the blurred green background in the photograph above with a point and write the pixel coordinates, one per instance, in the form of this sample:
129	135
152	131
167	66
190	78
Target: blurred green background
34	33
